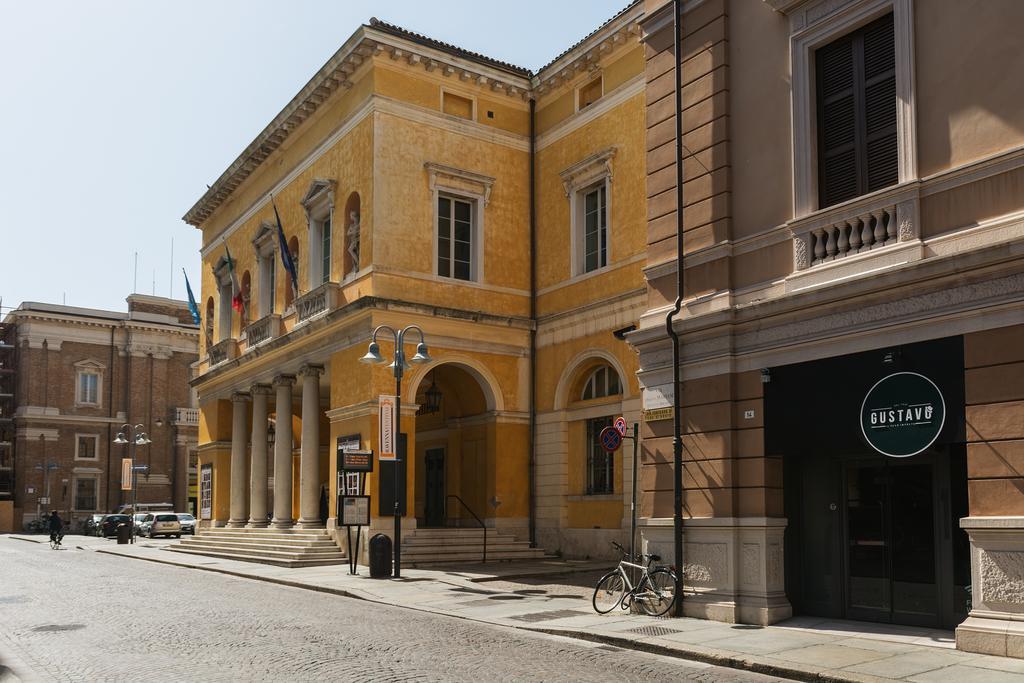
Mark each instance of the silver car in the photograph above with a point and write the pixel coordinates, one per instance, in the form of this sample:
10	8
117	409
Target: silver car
161	524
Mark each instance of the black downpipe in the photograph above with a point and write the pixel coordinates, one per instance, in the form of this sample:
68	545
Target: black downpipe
677	438
533	325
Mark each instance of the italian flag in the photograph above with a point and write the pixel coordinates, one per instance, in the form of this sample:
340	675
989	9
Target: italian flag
236	292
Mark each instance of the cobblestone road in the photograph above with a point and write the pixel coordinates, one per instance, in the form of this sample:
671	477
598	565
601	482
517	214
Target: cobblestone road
80	615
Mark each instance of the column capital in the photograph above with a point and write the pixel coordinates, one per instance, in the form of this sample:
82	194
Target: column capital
240	397
263	389
311	370
284	380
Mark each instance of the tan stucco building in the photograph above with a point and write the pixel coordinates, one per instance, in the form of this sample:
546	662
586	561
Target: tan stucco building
852	234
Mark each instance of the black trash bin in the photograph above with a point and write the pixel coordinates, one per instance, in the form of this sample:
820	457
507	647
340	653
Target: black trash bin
124	534
380	556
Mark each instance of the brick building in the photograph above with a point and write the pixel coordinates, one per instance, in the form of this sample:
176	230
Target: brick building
74	377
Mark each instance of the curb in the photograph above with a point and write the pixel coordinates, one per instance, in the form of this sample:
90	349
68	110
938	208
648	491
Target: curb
721	658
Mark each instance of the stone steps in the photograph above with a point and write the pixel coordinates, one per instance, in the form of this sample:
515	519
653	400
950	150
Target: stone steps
279	547
426	547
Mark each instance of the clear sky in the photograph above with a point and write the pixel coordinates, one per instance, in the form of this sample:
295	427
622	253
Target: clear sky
116	114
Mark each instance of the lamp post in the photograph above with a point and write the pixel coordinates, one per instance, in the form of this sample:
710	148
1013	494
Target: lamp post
47	468
398	366
138	438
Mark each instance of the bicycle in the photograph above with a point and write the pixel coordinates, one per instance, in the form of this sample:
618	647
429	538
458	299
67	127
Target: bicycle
655	591
55	540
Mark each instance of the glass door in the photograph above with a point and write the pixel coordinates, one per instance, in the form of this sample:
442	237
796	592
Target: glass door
891	542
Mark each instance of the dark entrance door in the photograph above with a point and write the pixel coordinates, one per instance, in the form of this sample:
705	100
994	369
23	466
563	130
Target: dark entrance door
435	493
892	564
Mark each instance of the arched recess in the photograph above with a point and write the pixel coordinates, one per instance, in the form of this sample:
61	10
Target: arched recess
353	236
208	323
484	377
584	361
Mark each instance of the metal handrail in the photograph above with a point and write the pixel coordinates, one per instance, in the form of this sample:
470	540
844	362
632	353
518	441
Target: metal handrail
477	518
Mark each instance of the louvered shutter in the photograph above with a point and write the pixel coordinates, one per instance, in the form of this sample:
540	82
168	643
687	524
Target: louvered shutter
856	82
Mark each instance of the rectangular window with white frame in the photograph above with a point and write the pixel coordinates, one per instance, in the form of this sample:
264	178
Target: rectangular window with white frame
88	388
600	463
456	241
319	206
593	203
587	185
268	283
86	494
325	250
854	121
87	446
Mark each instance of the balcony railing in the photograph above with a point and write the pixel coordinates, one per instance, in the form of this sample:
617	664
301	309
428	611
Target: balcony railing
857	237
224	350
266	328
186	416
317	302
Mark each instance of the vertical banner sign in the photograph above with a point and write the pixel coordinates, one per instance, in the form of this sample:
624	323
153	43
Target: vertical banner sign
126	474
386	417
206	492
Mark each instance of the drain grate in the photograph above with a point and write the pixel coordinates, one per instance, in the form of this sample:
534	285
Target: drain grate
654	631
534	617
58	627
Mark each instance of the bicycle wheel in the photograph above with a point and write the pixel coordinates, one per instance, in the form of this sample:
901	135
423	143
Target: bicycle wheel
660	593
609	592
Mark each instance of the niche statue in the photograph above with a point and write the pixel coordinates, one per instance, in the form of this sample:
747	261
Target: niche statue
353	241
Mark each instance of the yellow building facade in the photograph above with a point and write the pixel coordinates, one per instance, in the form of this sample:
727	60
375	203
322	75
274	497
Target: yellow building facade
498	210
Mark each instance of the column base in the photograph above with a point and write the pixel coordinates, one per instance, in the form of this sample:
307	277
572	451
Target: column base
237	523
309	524
258	524
282	523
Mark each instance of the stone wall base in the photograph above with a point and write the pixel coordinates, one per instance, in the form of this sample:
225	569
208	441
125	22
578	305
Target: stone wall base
733	567
584	544
995	625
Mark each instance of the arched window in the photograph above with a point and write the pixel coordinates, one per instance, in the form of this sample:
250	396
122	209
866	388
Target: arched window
603	381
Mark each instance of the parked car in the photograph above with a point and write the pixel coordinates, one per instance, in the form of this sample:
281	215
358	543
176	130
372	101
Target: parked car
161	524
188	523
140	517
109	524
92	525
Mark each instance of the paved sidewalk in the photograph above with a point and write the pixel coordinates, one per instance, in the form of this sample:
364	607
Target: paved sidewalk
554	598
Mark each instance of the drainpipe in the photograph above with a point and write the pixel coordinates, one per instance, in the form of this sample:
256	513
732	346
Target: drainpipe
677	438
533	325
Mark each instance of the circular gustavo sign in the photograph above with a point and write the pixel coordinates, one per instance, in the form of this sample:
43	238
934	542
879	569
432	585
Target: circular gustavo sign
902	414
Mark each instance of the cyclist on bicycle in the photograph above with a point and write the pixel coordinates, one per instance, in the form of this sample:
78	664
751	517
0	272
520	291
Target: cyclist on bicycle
56	526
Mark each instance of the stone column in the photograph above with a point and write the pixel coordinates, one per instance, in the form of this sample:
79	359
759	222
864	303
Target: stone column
258	469
239	502
283	453
309	458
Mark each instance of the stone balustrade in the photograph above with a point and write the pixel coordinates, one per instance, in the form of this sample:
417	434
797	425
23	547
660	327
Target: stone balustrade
266	328
317	302
224	350
186	416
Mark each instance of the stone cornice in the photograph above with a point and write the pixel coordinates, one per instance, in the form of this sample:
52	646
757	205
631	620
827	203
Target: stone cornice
378	40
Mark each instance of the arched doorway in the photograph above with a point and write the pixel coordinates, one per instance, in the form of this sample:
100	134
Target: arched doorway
454	448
